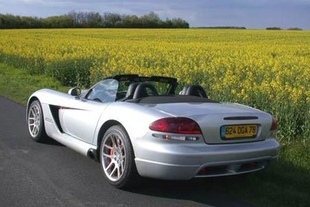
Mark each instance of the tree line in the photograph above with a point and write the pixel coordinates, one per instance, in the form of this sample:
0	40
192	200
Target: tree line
75	19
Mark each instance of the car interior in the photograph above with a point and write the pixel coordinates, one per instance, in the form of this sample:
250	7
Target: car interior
156	89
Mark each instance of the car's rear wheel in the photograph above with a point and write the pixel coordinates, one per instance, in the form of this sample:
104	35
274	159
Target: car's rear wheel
117	158
35	122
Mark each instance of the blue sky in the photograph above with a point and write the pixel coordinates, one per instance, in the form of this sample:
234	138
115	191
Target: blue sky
248	13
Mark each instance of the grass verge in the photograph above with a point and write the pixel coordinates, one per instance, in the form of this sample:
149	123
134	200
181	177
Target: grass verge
285	183
17	84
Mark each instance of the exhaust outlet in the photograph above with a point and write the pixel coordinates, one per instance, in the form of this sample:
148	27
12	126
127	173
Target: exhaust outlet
93	154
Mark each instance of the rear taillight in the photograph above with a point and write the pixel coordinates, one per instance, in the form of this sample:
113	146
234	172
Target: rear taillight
274	124
178	125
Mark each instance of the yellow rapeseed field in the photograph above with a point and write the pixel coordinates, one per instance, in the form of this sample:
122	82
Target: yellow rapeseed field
269	70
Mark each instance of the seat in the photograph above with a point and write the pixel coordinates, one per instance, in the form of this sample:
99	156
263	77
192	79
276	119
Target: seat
145	90
130	91
194	90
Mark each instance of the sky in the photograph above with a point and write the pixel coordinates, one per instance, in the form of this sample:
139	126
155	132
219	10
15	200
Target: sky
254	14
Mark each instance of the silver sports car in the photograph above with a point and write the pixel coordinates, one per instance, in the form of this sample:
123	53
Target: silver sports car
140	126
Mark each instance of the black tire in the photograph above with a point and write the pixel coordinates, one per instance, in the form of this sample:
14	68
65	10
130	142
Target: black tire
35	122
117	158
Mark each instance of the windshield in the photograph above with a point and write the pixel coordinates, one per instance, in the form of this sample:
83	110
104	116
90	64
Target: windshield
105	91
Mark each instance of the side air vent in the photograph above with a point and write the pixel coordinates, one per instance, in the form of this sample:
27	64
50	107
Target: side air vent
240	118
55	113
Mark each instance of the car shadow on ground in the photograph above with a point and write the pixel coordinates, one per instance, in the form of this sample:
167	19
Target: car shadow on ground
52	142
206	191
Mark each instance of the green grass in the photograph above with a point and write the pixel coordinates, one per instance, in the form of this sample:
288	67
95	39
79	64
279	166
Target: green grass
18	84
285	183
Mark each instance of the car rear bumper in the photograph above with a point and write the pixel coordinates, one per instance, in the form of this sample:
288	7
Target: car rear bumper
186	161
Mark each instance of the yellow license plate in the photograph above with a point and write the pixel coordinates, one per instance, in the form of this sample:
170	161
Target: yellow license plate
239	131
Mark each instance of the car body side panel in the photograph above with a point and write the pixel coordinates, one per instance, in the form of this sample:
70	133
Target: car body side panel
134	118
47	98
80	120
51	97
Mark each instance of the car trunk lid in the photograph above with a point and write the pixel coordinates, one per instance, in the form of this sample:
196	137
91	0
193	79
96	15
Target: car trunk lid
223	123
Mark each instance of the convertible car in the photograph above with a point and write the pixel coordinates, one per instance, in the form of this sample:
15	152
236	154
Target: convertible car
141	126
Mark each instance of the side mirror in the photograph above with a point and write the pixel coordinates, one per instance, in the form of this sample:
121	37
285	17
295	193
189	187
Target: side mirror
74	91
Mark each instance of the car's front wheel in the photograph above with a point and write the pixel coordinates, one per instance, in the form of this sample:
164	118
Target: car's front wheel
35	122
117	157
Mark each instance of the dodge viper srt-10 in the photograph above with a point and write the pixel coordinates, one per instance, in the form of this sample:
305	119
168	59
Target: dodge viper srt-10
141	126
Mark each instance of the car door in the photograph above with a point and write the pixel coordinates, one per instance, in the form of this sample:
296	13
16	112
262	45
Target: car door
81	118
